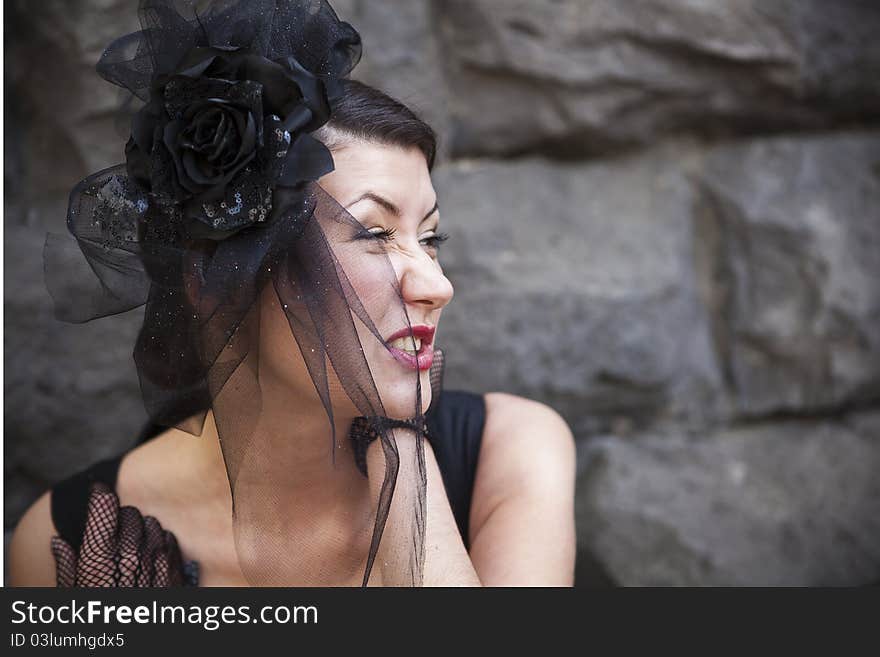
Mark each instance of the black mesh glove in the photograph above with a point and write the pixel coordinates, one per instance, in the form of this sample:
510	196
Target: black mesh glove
121	548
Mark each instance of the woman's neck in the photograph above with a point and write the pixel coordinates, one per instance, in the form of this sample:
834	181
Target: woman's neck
296	453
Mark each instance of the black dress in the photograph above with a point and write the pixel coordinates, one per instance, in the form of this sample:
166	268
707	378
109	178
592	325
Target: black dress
85	507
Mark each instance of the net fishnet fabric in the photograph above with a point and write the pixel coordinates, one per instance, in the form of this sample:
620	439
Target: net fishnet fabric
209	305
120	547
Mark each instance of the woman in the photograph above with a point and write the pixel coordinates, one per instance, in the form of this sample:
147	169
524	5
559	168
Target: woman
292	308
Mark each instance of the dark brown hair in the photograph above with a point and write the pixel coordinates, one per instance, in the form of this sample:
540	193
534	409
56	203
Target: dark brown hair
365	113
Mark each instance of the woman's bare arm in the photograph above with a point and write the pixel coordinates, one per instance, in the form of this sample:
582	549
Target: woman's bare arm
522	513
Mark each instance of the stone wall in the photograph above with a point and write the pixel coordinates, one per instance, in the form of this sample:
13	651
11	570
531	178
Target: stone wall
665	224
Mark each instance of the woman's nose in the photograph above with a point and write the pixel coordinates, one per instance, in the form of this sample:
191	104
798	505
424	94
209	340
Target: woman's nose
423	283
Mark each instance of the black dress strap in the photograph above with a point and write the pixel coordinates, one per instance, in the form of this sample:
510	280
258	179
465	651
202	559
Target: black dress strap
70	499
455	429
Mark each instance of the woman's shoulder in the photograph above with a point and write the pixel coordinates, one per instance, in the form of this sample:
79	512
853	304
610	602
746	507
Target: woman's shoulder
508	414
525	444
500	431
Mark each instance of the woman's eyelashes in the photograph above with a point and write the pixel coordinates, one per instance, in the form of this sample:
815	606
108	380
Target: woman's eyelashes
430	240
384	234
433	239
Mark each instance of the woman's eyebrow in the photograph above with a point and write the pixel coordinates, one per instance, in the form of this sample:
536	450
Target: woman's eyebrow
388	205
431	211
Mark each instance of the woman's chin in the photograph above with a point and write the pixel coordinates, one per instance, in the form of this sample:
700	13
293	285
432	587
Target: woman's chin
397	392
399	400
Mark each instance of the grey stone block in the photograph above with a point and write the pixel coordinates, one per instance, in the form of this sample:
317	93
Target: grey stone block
793	503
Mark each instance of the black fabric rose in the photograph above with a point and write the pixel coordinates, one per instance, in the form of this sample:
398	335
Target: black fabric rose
219	135
212	141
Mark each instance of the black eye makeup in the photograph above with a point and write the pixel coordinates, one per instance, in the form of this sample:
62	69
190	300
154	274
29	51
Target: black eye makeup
431	239
384	234
376	233
434	239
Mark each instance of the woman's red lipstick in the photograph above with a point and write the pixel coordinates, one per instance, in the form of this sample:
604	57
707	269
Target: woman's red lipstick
424	357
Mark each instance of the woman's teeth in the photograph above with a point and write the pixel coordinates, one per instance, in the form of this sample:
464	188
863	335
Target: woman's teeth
406	344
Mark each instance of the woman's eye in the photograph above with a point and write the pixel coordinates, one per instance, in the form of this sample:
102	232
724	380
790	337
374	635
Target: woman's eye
384	234
430	240
433	240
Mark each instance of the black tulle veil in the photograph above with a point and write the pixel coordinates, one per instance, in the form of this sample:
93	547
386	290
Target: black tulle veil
202	262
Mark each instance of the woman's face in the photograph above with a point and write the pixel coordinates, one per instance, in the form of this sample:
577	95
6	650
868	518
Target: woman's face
388	191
